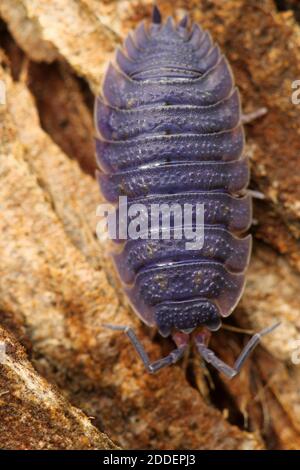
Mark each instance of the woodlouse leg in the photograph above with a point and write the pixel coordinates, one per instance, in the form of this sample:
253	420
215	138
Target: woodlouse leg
152	367
253	193
256	194
249	117
210	357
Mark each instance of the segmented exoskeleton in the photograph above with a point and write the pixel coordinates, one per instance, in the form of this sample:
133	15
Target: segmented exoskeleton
170	131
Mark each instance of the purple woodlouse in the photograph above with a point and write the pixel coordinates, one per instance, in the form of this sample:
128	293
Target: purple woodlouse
170	131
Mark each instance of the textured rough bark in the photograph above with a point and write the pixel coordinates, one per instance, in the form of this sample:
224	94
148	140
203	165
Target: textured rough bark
33	413
57	284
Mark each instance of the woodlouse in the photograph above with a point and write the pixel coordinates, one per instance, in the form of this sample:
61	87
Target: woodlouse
170	130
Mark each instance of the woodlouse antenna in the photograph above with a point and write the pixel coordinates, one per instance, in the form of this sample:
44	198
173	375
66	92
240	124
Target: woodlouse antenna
181	341
230	372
